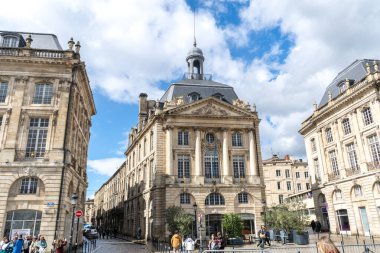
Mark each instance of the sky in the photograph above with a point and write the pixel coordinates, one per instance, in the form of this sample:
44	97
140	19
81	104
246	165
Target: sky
277	54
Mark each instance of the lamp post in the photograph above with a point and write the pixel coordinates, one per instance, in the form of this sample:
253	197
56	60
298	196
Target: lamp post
195	218
264	204
74	199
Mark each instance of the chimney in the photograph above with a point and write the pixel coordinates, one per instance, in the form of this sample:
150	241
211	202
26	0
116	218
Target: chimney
287	158
143	110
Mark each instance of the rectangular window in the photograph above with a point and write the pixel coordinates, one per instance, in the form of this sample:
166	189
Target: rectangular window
1	120
183	138
346	126
299	187
329	136
287	173
297	174
28	186
316	169
313	145
289	185
151	141
43	93
352	158
280	199
306	174
367	116
10	42
37	135
3	92
183	166
278	185
243	197
278	173
307	186
236	140
374	147
334	162
238	165
185	198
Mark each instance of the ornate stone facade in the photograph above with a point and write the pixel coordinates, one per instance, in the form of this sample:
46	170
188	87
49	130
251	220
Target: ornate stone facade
342	145
46	106
194	145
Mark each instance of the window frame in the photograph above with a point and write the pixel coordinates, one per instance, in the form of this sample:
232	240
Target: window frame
334	162
367	116
243	198
183	162
289	185
183	138
28	186
238	165
346	126
352	157
237	140
41	129
215	199
374	148
184	198
3	91
44	96
278	173
329	135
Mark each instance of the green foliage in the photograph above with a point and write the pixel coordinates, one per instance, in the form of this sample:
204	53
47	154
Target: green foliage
232	224
288	216
178	219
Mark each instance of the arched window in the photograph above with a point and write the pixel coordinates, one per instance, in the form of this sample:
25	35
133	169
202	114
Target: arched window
358	191
243	198
338	194
236	139
29	185
10	41
184	198
211	163
210	138
23	219
218	96
214	199
194	96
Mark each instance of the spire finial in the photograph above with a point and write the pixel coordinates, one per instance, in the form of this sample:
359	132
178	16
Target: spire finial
195	40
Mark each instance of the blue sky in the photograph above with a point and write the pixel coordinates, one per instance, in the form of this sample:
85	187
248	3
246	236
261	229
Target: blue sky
277	54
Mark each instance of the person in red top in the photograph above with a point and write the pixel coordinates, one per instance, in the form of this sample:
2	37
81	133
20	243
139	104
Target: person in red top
59	245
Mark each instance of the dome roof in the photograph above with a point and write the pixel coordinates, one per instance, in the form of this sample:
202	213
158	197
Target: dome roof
194	52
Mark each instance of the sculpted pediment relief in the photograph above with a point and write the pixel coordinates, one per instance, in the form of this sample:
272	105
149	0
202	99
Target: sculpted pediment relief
210	108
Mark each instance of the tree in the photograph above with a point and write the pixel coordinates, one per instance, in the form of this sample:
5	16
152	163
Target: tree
288	216
232	224
178	219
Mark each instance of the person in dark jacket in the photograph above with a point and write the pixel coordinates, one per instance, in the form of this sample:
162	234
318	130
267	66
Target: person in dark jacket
318	226
313	225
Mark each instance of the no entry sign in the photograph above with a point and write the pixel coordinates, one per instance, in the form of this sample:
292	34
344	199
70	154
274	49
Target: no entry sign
78	213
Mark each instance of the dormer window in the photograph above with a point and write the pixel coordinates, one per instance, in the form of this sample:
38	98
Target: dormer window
218	96
10	41
194	96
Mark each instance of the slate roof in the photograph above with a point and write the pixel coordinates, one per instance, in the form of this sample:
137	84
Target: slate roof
205	88
355	72
40	40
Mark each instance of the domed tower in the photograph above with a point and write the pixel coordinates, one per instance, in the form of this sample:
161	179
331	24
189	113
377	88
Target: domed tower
195	61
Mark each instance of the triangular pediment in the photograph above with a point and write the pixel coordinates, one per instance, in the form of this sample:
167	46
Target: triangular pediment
210	107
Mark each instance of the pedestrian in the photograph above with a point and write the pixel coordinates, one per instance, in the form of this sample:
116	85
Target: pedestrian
59	245
262	237
6	245
267	237
176	242
313	225
104	233
188	244
107	232
33	248
325	245
18	244
139	233
27	242
213	243
318	226
41	245
222	240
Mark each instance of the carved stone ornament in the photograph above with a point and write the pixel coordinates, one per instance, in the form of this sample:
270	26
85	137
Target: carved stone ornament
240	103
211	110
29	171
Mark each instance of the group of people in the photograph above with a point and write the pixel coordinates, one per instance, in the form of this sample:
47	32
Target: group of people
104	233
31	244
264	237
316	226
188	244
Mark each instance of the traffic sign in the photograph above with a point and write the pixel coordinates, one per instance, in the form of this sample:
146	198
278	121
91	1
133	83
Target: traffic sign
78	213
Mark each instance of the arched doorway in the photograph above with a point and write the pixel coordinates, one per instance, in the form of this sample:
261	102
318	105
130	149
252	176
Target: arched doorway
27	220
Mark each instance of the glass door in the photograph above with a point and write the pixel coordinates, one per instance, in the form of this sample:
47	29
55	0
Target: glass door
364	219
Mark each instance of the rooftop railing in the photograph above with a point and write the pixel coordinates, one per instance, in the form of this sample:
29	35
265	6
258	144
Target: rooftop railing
40	53
196	76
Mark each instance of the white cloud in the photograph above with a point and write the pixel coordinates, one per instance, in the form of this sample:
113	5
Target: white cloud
106	166
130	46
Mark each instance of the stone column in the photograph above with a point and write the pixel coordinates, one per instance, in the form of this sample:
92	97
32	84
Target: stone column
169	151
361	152
322	159
198	154
226	161
253	170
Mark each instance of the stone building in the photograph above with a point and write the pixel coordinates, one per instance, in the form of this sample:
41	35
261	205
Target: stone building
46	106
89	212
343	150
197	144
284	177
109	201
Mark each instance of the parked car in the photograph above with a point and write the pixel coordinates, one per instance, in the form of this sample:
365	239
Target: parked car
90	233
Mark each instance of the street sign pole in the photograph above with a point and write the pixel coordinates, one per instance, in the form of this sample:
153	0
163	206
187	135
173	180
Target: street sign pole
78	214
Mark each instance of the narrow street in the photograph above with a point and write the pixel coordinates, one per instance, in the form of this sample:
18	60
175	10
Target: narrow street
119	246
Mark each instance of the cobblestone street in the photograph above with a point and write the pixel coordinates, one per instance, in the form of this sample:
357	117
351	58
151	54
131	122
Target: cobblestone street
119	246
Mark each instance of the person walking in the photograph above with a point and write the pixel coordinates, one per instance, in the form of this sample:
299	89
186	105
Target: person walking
188	244
27	242
313	225
176	242
33	248
18	244
318	226
325	245
262	237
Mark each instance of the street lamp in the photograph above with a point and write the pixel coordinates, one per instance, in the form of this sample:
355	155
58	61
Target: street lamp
195	218
264	204
74	199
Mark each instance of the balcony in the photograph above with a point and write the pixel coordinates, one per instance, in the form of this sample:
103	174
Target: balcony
352	171
182	180
373	166
333	176
214	180
239	180
23	155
